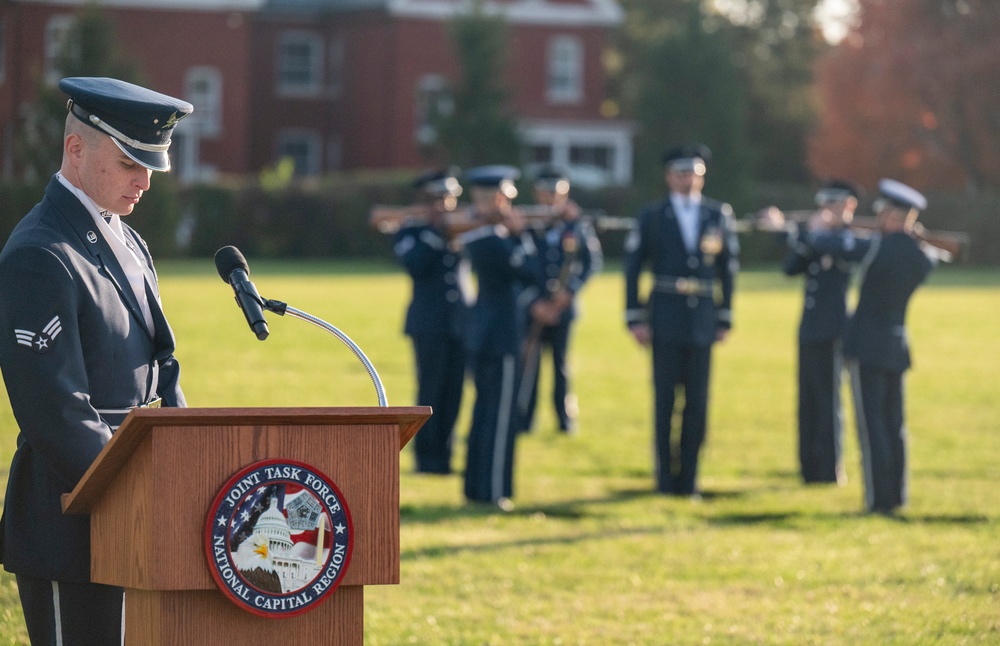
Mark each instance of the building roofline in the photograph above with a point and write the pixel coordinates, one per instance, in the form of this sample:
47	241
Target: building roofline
167	5
600	13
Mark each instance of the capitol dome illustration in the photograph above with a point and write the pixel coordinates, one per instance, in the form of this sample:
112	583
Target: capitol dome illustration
272	524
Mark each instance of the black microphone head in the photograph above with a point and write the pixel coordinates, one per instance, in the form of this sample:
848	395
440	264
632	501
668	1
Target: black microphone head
229	259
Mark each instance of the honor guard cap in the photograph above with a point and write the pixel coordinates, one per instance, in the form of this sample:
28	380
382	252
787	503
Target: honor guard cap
442	182
138	120
497	177
901	195
552	180
837	190
691	158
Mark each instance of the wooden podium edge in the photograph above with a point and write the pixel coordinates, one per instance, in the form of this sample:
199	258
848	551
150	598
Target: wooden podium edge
141	421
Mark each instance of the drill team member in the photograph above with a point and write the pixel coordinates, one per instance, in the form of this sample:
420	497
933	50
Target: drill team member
687	241
436	317
504	261
570	253
893	264
824	315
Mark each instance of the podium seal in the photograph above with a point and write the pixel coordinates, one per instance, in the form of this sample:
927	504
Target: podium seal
278	538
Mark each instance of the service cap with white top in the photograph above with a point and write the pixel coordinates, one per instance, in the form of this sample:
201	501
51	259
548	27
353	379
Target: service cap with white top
901	195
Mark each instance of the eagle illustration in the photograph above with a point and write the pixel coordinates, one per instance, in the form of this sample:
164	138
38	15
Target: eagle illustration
254	563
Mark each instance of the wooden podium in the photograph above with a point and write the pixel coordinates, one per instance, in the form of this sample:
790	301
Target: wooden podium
150	489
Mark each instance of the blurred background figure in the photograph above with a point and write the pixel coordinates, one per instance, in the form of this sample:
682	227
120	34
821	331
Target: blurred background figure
821	329
688	242
437	315
504	260
569	254
894	262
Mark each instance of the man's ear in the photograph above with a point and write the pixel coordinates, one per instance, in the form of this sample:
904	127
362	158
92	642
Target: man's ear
73	148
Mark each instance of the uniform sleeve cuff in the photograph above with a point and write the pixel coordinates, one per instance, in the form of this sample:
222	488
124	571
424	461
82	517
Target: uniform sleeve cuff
636	316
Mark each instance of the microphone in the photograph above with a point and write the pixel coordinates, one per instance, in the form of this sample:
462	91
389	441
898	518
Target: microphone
234	270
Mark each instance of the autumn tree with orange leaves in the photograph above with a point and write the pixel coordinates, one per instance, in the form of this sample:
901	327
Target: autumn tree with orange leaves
913	92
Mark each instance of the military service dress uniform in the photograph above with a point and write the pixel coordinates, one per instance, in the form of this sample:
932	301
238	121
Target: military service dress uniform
893	265
824	314
505	265
691	300
83	340
569	253
435	321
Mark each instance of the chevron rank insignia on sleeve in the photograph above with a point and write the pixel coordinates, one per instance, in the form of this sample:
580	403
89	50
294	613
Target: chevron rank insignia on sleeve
40	341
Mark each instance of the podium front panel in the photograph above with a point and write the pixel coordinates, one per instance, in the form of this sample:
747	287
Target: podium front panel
175	473
193	617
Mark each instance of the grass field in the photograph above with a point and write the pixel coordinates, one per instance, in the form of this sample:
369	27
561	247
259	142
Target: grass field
590	555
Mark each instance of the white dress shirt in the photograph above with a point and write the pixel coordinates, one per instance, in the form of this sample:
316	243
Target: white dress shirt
112	231
688	211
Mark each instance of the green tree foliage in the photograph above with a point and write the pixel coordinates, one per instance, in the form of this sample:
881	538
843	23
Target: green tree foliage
684	87
479	128
734	74
913	92
90	48
777	44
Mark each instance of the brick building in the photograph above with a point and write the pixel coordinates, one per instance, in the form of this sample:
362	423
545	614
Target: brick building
333	84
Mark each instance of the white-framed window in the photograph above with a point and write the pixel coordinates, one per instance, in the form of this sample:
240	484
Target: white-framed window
203	90
300	64
432	100
538	154
56	31
564	70
595	153
337	60
599	156
304	147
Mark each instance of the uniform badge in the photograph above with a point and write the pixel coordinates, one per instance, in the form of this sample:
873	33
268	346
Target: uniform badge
278	538
91	237
711	244
40	341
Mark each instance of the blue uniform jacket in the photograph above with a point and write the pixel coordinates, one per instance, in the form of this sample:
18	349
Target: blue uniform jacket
72	341
507	273
828	276
892	267
657	242
587	259
439	300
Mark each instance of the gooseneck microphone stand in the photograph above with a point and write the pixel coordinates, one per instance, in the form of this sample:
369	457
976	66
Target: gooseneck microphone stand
281	309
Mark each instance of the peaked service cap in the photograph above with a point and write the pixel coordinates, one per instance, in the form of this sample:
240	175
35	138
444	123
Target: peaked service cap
137	119
901	194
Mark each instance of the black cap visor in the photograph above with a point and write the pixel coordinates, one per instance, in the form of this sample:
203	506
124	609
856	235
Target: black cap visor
158	161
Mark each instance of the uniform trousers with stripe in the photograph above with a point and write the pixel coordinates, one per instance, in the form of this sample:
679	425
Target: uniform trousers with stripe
58	613
489	467
820	416
440	363
878	401
679	366
557	339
